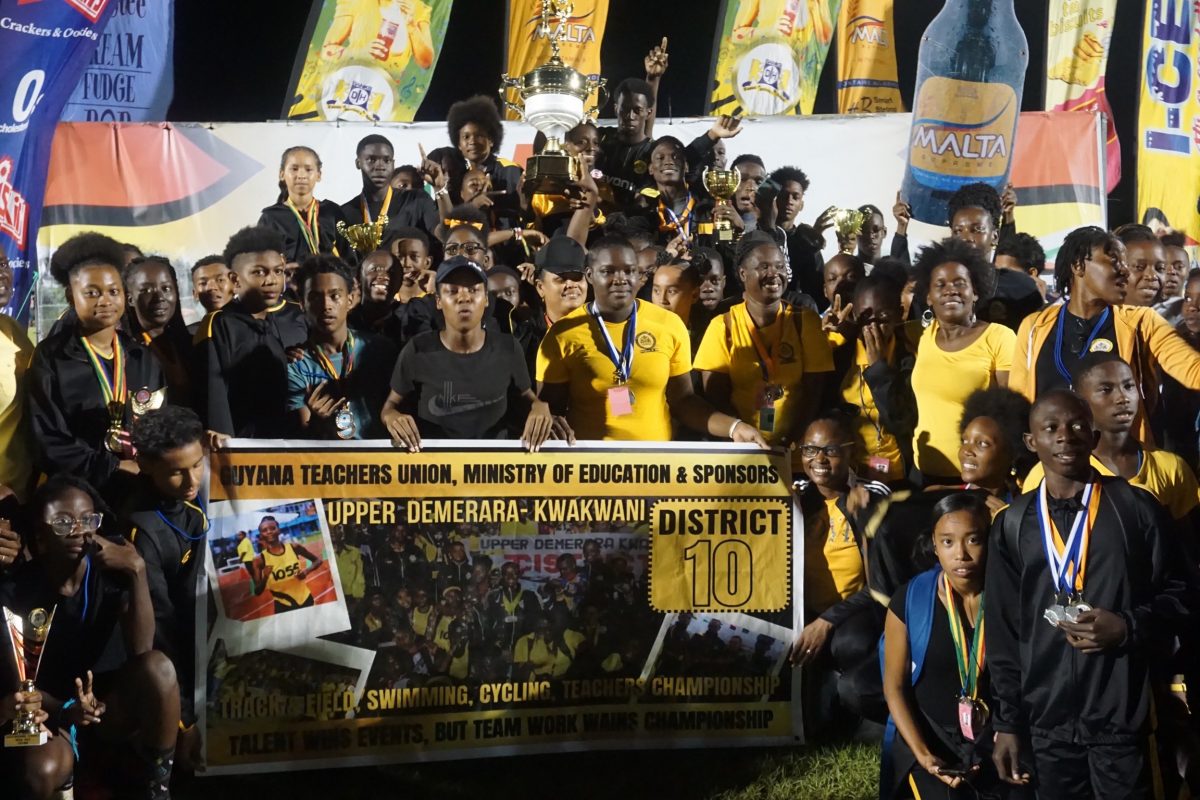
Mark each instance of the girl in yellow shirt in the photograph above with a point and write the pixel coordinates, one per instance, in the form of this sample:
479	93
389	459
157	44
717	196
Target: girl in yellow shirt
281	568
956	355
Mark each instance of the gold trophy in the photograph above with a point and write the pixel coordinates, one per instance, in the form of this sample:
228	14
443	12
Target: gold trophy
364	237
28	636
848	223
721	184
551	98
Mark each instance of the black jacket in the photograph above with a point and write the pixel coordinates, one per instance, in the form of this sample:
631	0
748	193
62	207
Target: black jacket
245	366
295	247
411	208
174	557
1043	686
67	409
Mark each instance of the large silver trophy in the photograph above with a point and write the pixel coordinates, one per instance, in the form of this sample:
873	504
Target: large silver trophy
551	98
28	637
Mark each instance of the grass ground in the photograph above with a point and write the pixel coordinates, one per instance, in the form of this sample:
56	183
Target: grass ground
846	771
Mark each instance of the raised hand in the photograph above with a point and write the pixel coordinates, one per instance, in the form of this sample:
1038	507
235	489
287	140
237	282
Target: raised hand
656	60
902	213
118	556
323	404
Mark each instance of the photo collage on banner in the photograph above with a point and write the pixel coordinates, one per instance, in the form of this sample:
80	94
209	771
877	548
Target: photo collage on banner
372	606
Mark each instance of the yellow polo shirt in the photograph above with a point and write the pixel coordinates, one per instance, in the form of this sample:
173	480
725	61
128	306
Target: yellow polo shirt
16	461
793	340
574	353
1163	474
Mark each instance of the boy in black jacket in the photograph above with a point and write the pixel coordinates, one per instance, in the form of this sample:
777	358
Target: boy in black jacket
1085	589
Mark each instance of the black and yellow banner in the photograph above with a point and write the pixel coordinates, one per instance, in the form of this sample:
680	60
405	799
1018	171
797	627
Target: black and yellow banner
367	60
370	605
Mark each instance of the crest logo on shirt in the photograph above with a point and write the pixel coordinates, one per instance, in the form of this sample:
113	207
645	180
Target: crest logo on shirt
787	354
639	167
1101	346
14	211
646	341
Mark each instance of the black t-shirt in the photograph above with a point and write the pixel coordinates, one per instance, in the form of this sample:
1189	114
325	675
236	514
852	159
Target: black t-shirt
937	691
1076	332
456	395
1016	296
84	634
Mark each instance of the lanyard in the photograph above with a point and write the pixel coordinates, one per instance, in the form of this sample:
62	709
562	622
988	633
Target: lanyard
680	224
383	209
310	228
114	387
183	533
1068	561
1087	346
766	355
623	362
347	359
969	660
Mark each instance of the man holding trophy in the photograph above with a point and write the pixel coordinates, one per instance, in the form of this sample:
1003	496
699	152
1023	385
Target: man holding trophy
79	626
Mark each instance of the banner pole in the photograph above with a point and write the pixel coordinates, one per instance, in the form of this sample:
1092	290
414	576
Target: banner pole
716	51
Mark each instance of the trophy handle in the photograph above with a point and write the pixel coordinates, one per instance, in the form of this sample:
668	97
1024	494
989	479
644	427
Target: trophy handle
601	87
507	83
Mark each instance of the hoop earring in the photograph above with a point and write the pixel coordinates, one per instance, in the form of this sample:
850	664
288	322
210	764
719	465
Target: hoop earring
926	318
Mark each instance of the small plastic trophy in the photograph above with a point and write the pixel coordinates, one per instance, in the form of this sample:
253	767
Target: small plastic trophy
28	636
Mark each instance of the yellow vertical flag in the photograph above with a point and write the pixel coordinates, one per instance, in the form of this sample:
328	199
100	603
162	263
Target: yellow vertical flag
769	56
1168	169
867	80
528	46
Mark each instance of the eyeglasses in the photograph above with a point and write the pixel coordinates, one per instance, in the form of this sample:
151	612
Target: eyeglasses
470	249
65	525
830	450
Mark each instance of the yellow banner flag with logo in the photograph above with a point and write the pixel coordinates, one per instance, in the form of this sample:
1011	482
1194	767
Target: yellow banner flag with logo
769	56
529	47
367	60
867	80
1168	189
1077	46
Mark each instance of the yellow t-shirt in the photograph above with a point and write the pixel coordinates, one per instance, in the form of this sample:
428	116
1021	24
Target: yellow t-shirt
16	462
544	662
942	381
879	442
245	550
833	565
282	576
1163	474
575	353
794	342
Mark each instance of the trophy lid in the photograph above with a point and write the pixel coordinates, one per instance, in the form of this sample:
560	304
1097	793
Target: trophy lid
555	78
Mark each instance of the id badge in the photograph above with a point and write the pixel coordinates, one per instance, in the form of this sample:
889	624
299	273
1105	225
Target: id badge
620	401
968	717
766	419
879	465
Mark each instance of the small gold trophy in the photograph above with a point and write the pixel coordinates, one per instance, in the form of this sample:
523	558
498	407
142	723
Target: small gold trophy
848	222
551	98
721	184
28	636
364	237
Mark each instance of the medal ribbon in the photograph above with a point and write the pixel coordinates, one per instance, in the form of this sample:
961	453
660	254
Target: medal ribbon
383	209
310	228
1068	561
112	387
347	359
678	223
969	660
1087	345
624	362
766	355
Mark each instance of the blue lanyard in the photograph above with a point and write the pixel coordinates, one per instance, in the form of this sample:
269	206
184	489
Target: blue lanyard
87	573
184	534
1087	346
1064	569
624	362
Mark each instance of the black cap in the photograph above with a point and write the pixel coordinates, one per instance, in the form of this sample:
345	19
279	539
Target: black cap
456	263
561	254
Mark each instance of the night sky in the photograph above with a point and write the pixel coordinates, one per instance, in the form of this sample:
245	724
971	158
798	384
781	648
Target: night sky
233	60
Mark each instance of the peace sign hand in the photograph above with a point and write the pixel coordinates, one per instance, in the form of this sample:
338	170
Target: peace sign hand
86	710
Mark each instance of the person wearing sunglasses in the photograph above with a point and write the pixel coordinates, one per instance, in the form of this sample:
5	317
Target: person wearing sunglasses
93	687
842	621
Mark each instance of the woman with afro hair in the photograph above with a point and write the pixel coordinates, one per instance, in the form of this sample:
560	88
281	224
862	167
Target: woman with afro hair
475	129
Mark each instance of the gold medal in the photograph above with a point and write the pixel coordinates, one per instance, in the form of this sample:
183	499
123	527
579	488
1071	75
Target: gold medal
144	400
113	442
